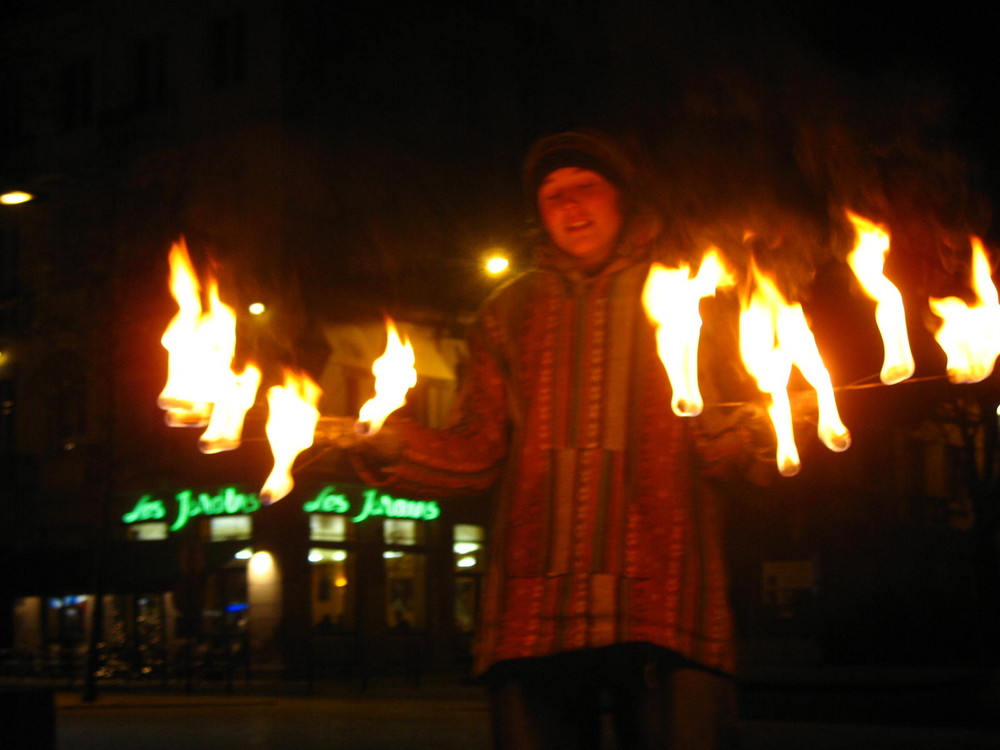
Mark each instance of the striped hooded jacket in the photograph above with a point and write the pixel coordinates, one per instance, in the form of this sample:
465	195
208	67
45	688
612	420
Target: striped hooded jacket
602	532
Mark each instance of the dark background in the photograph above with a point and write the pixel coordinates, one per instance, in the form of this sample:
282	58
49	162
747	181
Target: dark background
760	114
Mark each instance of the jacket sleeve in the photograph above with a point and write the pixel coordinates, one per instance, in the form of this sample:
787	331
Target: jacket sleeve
734	441
466	456
733	435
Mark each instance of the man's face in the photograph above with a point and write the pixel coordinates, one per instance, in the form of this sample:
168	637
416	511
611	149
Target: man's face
580	210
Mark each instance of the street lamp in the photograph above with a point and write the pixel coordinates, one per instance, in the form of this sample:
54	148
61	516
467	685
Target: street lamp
15	197
497	262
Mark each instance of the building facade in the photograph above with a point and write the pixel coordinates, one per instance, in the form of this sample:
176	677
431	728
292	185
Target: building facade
261	131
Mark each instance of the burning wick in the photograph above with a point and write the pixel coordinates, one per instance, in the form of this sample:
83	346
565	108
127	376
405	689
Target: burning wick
970	334
671	297
225	428
291	425
394	376
774	336
201	341
867	261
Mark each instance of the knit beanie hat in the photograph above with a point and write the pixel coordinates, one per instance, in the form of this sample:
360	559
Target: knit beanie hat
585	149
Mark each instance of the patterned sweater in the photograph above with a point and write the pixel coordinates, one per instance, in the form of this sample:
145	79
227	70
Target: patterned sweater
602	531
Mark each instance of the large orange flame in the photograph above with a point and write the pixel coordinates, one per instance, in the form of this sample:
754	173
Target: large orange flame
774	335
201	343
867	260
672	299
291	424
225	428
394	376
970	334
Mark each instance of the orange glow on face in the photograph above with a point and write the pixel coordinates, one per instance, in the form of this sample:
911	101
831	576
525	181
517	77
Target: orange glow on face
394	376
291	423
867	260
970	334
672	298
774	335
581	213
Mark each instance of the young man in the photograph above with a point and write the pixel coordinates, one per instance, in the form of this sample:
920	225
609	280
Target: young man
606	585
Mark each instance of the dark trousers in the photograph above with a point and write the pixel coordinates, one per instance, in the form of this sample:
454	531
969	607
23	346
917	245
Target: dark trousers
655	700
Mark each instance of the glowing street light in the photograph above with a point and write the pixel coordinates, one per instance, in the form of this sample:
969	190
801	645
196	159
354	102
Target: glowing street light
257	308
14	197
497	263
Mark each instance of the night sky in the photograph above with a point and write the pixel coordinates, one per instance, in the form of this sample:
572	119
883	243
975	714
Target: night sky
771	116
787	108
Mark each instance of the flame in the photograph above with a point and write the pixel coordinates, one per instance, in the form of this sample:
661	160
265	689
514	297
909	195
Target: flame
774	335
291	423
671	298
771	366
394	376
970	334
200	343
867	260
225	428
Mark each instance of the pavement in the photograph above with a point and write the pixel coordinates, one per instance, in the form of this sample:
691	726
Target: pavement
820	710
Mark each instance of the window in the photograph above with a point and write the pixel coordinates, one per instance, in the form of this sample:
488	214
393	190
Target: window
65	620
332	587
226	600
226	528
468	547
352	391
405	601
147	532
327	528
402	531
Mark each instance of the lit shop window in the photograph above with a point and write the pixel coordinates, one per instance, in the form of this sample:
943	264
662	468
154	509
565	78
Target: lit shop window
147	532
332	590
226	528
405	600
402	531
327	528
226	596
65	619
468	547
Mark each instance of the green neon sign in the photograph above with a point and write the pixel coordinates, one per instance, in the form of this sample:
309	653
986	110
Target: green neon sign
227	502
146	509
328	501
396	507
